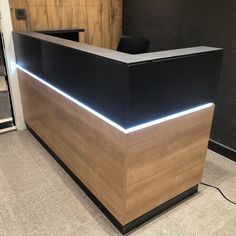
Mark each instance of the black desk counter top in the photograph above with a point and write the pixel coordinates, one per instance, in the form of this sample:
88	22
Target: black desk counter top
70	34
120	56
127	89
62	31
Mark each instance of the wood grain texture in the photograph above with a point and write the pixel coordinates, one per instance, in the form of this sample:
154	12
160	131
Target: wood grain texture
19	25
129	173
165	160
101	19
93	150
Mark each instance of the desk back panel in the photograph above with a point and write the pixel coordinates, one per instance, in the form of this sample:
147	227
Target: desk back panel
127	93
165	87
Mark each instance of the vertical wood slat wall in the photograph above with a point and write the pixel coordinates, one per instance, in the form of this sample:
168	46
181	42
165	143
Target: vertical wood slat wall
101	19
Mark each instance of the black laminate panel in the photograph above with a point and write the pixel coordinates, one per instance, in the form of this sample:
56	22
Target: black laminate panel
183	23
169	86
99	83
128	94
72	34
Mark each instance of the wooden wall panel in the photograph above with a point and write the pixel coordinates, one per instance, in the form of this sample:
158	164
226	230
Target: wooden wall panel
19	25
38	15
101	19
115	22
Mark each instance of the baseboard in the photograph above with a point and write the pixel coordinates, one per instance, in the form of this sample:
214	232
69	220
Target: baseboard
222	150
6	123
7	129
131	225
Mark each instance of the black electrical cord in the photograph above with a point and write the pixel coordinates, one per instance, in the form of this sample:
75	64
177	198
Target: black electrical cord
208	185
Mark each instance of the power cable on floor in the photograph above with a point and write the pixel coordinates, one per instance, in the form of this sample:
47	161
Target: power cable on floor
208	185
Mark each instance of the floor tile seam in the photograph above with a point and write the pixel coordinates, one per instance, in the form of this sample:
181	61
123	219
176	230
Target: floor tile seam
215	191
179	226
68	207
10	210
217	184
178	223
2	200
222	199
217	225
222	161
44	175
22	158
212	221
22	194
40	169
219	167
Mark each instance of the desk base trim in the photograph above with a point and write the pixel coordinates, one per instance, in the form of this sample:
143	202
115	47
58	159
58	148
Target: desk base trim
222	150
133	224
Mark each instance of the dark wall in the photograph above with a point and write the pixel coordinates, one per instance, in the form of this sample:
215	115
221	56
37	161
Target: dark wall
183	23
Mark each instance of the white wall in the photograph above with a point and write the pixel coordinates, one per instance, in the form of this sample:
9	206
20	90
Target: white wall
6	26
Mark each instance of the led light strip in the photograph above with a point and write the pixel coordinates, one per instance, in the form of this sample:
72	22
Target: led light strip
126	131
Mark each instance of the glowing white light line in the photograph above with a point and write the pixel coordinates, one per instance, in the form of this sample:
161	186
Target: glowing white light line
126	131
73	99
166	118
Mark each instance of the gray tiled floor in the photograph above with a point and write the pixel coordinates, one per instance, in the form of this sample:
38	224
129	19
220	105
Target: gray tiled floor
38	198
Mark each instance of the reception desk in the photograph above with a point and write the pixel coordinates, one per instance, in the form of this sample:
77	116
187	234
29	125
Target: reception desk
132	130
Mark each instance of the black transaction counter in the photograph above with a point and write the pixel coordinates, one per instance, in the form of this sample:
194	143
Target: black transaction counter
127	89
